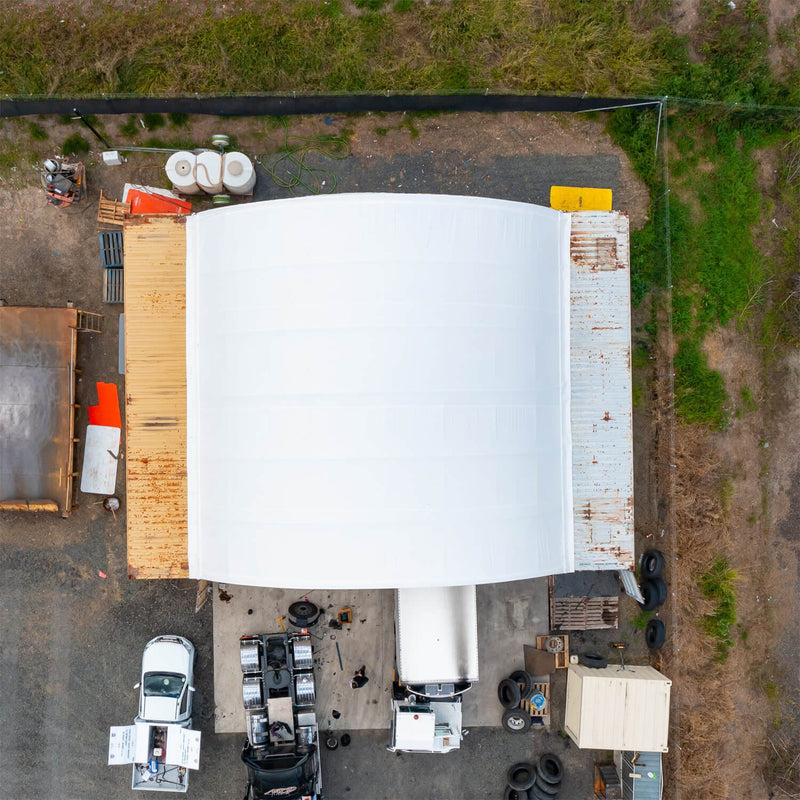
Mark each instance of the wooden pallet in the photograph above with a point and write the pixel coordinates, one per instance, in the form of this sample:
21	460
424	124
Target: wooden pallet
540	716
562	658
111	212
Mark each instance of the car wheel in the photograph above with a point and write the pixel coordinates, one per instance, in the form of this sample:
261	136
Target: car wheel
593	660
331	742
655	634
508	693
521	776
652	564
516	720
551	770
525	682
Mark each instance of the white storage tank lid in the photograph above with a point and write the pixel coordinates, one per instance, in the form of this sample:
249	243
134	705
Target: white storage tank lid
180	171
208	172
239	175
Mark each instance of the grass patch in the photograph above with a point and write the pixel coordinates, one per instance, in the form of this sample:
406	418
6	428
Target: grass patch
639	622
153	121
748	401
307	45
130	127
719	586
700	395
37	132
75	145
178	119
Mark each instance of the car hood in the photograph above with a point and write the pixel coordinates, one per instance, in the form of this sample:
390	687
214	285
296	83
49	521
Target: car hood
166	657
160	709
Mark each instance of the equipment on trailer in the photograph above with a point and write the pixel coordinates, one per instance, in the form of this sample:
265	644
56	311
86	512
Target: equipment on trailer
64	183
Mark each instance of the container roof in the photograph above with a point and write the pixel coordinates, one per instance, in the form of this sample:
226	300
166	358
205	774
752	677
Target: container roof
378	378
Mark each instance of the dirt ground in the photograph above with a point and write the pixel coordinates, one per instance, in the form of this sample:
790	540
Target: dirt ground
727	492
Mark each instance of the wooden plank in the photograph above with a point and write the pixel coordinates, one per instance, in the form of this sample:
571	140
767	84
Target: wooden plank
155	401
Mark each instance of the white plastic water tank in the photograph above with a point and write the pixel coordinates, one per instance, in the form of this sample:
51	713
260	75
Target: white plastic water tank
238	173
208	172
180	171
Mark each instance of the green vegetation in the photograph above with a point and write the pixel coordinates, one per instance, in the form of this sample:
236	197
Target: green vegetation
37	132
130	127
748	401
719	586
75	145
700	395
639	622
178	119
312	45
153	121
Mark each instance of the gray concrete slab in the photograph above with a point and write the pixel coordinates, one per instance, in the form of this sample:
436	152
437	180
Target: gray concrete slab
509	615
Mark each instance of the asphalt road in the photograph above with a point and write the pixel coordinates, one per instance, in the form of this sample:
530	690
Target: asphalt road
71	640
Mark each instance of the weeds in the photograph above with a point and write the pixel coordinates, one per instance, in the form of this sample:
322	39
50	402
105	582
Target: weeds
75	145
37	132
700	395
719	586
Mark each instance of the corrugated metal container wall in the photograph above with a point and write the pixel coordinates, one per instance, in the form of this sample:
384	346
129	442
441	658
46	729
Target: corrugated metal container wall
600	354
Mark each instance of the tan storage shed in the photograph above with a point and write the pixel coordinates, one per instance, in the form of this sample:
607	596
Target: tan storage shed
618	709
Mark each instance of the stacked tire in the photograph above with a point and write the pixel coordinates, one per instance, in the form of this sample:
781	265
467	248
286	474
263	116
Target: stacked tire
525	781
654	591
511	691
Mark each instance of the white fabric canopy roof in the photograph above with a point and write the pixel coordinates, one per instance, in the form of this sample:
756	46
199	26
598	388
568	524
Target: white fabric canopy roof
378	392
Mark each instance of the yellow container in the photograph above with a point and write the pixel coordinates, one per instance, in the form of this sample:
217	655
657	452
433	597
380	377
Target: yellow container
579	198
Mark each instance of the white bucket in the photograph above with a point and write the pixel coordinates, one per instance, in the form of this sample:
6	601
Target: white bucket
208	172
238	174
180	171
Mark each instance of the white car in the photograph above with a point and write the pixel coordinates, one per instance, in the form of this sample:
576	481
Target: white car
166	686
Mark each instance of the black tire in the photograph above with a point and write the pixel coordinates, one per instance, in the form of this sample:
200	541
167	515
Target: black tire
345	740
550	768
331	742
655	634
652	564
543	791
508	693
515	720
650	593
593	660
525	682
303	613
521	776
512	794
662	590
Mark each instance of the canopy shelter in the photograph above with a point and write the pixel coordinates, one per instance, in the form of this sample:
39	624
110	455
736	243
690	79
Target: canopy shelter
378	392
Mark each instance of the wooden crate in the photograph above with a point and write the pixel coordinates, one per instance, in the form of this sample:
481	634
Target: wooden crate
562	658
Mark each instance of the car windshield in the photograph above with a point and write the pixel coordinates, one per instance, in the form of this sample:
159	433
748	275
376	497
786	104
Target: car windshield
163	684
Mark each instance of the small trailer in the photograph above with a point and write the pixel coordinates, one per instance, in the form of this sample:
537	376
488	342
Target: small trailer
436	662
161	754
281	752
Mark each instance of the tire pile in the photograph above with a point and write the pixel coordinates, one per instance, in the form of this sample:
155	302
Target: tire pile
654	591
511	691
542	781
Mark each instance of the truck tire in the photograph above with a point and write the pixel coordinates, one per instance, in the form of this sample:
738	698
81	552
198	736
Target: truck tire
655	634
521	776
513	794
550	768
525	682
652	564
543	791
652	592
516	720
593	660
508	693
